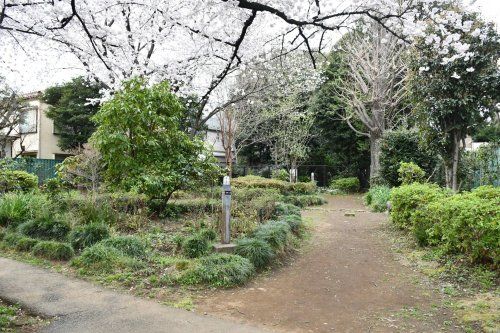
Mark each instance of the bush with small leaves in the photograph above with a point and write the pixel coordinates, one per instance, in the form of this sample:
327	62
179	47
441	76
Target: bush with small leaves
89	234
275	233
407	199
410	173
129	245
258	251
16	180
218	270
46	227
346	185
53	250
280	174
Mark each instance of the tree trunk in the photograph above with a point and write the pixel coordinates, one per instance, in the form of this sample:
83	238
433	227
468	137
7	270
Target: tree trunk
375	140
451	164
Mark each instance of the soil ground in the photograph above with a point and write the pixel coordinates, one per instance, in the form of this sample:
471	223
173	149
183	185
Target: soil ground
346	280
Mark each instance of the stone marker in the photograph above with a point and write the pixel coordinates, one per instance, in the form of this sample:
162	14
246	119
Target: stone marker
225	245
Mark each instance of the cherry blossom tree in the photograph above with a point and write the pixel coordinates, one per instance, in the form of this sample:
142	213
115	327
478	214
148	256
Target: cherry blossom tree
12	110
198	45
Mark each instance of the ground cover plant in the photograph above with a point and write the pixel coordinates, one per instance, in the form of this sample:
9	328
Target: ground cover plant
119	238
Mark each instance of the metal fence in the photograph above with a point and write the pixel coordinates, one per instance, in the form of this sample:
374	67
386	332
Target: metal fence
43	168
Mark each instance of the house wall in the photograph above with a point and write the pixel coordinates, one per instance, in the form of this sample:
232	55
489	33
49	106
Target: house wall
43	142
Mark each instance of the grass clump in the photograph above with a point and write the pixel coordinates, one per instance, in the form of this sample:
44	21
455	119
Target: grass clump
53	250
275	233
46	227
87	235
258	251
283	209
218	270
26	244
295	222
377	198
100	258
195	246
130	246
16	208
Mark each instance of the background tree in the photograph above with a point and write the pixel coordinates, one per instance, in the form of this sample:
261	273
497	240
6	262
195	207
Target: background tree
455	91
72	106
11	116
142	144
371	87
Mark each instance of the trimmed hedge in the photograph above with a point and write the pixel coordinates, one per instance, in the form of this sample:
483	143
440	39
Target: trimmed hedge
15	180
282	186
346	185
53	250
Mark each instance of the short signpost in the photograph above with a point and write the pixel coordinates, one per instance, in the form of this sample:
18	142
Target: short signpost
225	225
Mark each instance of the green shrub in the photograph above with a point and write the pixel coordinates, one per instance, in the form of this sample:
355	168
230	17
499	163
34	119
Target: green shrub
410	173
283	209
129	245
195	246
101	258
53	186
305	200
303	188
487	192
295	222
462	223
259	252
219	270
89	234
15	180
126	202
177	207
275	233
280	174
53	250
16	208
407	199
346	185
46	227
26	244
377	198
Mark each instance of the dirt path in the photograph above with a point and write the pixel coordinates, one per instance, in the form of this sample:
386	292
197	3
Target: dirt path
347	280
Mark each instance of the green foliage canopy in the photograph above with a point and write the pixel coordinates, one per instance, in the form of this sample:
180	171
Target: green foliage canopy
143	146
71	110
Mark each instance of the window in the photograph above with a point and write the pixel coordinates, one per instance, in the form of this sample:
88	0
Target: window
29	121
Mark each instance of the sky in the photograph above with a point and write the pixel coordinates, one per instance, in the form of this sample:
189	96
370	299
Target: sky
43	72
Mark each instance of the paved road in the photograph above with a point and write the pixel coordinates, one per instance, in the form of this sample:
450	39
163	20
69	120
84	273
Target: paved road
78	306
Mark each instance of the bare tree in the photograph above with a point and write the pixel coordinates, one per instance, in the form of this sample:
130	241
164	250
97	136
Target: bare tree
373	86
12	110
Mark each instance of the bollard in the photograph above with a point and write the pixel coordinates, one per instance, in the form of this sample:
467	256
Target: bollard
312	177
226	210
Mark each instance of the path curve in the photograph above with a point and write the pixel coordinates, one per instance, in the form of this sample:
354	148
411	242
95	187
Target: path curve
346	280
76	306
